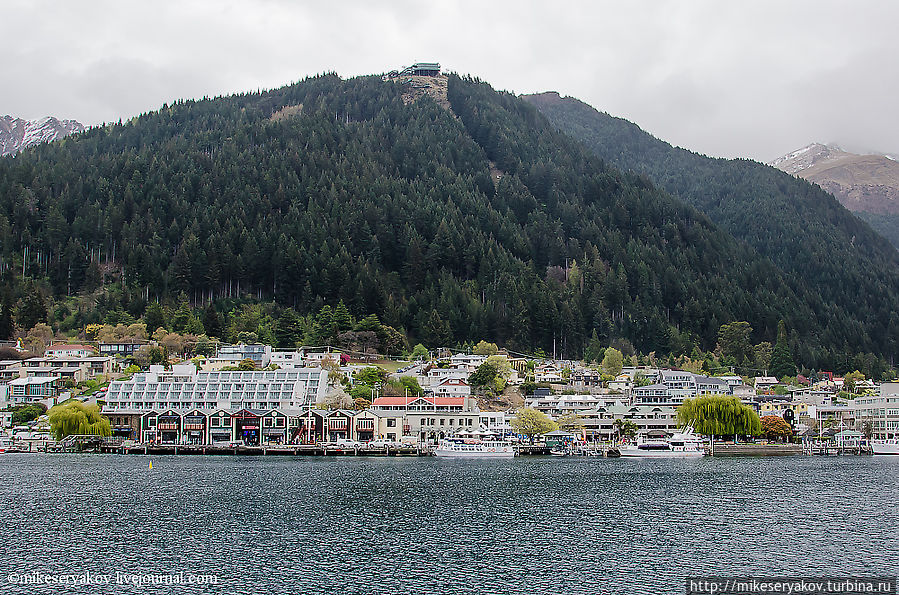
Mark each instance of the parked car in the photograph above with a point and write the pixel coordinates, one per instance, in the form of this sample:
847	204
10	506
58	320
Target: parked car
383	443
347	443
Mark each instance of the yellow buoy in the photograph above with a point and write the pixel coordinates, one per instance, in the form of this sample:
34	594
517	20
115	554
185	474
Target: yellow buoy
151	465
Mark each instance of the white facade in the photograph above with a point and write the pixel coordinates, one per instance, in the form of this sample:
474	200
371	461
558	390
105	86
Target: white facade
232	355
184	388
452	388
881	410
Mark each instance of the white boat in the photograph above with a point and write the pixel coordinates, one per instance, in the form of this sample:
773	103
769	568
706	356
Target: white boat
680	445
885	447
473	447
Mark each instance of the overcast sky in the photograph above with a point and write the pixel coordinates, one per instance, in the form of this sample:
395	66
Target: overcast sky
733	79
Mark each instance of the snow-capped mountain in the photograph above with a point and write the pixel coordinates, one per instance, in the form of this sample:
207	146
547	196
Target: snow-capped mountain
17	134
868	183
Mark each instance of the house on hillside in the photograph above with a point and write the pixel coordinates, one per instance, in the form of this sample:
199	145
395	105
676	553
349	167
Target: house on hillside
70	351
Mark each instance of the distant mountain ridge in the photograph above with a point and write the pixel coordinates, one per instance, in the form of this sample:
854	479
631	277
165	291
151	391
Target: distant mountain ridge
816	243
860	182
866	184
17	134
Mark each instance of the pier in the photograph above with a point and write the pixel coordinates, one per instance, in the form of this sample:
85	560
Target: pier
274	450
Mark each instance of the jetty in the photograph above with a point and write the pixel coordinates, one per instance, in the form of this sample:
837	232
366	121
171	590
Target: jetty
295	450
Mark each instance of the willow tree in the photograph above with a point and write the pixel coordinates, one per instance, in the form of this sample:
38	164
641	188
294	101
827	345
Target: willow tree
719	415
75	417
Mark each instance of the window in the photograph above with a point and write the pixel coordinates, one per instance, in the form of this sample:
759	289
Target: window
391	423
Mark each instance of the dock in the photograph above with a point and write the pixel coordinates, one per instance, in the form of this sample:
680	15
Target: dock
294	450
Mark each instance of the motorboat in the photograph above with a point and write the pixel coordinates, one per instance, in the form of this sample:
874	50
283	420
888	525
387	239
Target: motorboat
474	447
889	446
680	445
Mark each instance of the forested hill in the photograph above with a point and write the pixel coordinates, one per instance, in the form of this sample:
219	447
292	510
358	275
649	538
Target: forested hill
479	222
813	240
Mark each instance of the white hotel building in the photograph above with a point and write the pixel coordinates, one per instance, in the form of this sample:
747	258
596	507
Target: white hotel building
183	387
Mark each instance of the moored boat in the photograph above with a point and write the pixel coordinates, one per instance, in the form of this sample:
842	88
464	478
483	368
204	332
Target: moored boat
473	447
885	447
680	445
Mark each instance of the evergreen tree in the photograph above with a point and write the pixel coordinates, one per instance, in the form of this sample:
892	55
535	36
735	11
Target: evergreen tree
288	329
212	322
342	319
154	318
437	330
33	309
781	359
7	325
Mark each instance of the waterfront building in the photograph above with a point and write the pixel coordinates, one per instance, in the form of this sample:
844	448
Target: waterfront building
882	410
183	388
452	387
429	418
92	366
496	422
599	424
33	390
11	368
232	355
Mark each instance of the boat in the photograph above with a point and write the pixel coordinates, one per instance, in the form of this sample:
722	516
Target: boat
474	447
680	445
6	445
889	446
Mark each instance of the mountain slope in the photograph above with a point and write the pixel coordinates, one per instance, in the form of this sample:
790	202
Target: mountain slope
867	185
811	238
335	189
17	134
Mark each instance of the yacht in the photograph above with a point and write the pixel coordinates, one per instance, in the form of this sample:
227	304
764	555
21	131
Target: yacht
889	446
683	444
474	447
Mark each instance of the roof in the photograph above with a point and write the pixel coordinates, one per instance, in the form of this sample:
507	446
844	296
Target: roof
453	381
406	401
33	380
70	347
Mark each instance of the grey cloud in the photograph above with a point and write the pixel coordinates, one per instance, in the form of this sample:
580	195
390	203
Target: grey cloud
731	79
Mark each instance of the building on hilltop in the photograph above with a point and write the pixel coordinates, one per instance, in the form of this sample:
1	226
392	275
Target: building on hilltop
417	69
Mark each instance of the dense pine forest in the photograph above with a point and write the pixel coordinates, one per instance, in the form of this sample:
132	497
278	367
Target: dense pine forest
851	272
451	225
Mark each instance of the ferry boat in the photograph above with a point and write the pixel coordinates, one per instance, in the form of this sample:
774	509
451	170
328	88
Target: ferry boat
473	447
680	445
885	447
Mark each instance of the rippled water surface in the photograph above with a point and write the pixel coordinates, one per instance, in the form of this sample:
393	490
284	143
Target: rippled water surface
376	525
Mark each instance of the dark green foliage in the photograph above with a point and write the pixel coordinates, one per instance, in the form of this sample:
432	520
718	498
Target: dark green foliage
212	322
289	329
22	414
782	363
7	324
734	341
846	276
484	375
370	376
886	224
33	309
154	318
385	208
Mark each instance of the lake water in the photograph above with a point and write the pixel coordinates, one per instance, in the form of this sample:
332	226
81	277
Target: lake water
387	525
